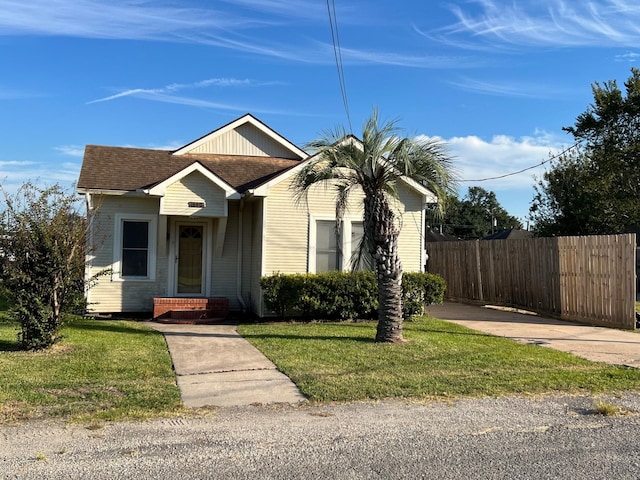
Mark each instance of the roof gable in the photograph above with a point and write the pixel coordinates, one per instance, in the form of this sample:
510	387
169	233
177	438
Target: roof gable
263	189
161	187
244	136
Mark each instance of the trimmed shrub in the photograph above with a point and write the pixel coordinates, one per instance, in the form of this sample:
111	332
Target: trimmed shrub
420	289
332	295
344	295
279	292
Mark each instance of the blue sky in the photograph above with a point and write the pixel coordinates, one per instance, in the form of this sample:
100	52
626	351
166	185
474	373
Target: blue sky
496	80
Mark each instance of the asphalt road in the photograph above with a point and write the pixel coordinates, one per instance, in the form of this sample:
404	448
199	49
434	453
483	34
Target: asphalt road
537	438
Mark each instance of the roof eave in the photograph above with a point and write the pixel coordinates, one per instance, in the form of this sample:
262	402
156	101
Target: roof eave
107	191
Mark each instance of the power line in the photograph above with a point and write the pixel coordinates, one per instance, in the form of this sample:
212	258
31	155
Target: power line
337	53
558	155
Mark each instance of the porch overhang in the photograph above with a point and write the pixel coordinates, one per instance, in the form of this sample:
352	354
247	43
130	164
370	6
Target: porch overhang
160	189
194	192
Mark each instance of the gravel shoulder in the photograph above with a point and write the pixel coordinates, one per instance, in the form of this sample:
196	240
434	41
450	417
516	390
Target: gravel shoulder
540	437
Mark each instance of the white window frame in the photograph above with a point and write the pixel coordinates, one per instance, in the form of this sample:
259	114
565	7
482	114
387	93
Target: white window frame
345	246
152	221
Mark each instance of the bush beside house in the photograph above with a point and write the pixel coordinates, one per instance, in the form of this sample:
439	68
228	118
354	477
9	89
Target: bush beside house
345	295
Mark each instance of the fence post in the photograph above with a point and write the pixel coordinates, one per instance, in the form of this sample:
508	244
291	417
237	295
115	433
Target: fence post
479	271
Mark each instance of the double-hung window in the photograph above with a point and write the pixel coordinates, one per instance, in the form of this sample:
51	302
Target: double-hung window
134	247
329	251
327	254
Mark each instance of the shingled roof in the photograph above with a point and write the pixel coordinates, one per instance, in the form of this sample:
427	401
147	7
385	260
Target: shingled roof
128	169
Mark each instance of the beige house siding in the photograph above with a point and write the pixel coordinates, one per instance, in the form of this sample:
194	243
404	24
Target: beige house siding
198	189
287	226
244	140
286	230
111	294
411	240
255	272
247	252
224	271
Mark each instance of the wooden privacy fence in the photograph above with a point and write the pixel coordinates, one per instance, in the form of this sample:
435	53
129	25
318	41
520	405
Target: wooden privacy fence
587	279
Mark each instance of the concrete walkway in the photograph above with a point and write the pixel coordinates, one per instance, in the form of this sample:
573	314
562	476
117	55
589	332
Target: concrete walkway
216	366
599	344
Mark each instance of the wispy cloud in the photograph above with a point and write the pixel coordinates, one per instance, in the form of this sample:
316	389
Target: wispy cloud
553	23
14	173
322	53
370	57
71	150
197	102
237	25
149	93
628	57
298	9
117	19
14	163
502	89
166	94
159	21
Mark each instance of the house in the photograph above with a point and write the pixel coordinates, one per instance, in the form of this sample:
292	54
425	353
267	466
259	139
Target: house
509	234
436	235
184	229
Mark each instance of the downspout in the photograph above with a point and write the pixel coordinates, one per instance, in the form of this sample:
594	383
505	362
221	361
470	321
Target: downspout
243	304
88	259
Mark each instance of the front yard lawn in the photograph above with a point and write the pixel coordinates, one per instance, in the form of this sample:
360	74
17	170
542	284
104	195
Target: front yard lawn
341	362
101	370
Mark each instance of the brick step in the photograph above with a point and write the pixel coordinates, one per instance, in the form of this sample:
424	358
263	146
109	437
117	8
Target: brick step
190	308
191	321
191	314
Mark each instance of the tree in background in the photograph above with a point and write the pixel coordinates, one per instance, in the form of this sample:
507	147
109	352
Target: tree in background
595	187
42	258
374	166
477	215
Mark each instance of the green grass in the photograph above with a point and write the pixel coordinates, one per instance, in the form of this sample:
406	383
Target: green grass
637	306
340	362
100	370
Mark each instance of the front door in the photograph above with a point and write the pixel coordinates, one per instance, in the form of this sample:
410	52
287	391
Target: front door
190	274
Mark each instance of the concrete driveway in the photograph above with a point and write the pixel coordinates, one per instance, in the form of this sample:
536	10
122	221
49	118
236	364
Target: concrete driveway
599	344
216	366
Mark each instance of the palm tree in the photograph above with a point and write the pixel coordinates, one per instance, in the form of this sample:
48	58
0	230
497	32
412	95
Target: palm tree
374	165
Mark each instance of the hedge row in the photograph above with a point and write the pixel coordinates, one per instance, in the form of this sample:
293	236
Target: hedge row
345	295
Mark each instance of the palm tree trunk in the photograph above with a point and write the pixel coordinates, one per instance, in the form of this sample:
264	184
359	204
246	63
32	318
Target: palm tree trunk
380	219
